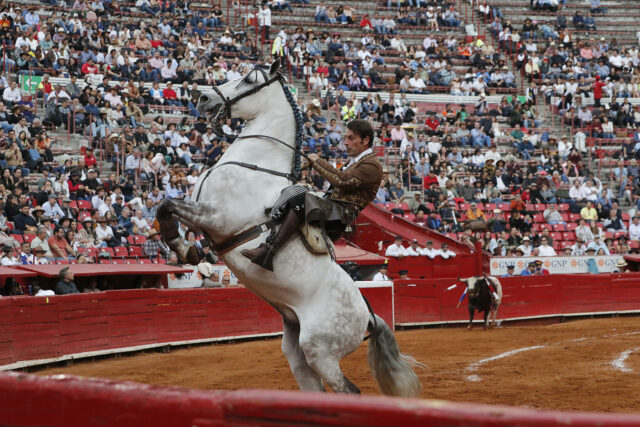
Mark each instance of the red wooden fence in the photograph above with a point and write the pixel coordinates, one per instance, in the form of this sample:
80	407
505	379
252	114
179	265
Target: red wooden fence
37	328
69	401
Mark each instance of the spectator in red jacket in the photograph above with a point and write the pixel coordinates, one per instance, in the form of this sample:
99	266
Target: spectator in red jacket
89	159
597	91
170	96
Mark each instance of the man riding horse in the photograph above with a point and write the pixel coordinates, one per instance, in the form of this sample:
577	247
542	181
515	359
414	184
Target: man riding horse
352	188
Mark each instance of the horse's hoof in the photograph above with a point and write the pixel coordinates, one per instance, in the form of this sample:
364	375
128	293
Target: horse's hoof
469	327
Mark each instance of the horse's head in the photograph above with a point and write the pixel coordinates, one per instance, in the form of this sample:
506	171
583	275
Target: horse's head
239	98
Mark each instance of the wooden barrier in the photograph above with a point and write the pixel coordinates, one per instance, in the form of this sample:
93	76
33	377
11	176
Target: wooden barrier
47	329
69	401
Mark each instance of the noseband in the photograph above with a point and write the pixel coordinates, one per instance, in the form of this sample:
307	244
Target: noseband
228	102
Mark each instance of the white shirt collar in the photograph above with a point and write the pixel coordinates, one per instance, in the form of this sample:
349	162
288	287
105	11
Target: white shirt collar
359	157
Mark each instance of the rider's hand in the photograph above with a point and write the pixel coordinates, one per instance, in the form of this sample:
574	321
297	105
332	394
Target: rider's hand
313	157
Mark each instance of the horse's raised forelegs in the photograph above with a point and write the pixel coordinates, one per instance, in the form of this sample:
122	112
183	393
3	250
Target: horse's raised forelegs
307	378
187	212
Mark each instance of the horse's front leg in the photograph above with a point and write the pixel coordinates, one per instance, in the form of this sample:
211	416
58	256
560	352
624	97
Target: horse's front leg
486	318
188	212
471	313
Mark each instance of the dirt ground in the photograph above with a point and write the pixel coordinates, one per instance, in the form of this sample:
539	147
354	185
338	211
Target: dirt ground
570	367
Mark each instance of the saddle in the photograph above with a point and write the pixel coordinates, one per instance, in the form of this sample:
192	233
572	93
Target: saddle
315	239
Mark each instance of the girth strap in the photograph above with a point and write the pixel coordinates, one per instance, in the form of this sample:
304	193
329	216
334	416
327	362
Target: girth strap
242	237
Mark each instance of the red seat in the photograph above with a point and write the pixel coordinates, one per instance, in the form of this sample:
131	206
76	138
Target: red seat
160	261
73	204
104	261
634	244
135	251
559	227
120	251
545	227
626	216
574	217
118	261
144	261
464	206
131	240
563	207
28	237
505	207
540	207
569	235
85	205
404	206
618	234
556	236
140	239
538	218
572	226
18	238
535	226
93	252
530	207
489	206
108	250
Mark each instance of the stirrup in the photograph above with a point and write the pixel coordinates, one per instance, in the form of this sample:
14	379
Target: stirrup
263	259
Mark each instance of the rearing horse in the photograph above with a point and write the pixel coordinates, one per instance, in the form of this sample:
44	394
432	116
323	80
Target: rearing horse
325	317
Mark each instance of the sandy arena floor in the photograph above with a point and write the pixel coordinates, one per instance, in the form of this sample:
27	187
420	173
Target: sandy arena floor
591	365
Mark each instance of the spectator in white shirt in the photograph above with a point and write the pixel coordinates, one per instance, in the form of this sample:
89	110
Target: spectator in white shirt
634	228
429	251
11	95
414	249
579	248
396	249
52	209
576	192
598	244
544	248
382	273
525	247
445	252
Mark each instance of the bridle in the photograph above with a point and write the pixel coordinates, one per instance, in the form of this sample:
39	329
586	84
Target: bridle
294	175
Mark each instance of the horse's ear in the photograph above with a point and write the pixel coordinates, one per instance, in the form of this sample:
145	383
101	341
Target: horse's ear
275	66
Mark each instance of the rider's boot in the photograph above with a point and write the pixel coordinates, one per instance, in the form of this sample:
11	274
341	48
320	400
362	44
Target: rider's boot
263	254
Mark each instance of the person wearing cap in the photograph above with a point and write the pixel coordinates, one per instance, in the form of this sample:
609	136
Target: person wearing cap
396	249
52	209
382	273
403	274
578	248
530	270
414	249
497	223
525	247
510	271
540	270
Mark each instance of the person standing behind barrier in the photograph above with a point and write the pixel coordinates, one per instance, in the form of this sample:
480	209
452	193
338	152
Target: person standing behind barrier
396	249
65	285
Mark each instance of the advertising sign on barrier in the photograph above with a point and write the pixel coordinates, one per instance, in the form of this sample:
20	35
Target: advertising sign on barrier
194	279
556	264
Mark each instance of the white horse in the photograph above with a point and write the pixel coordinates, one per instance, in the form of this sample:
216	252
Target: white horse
325	317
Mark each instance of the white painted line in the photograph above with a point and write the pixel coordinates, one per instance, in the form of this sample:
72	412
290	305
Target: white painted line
620	362
475	365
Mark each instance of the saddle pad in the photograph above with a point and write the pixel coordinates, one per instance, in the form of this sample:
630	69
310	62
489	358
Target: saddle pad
313	240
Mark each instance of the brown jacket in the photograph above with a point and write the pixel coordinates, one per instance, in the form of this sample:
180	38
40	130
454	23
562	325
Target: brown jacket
358	184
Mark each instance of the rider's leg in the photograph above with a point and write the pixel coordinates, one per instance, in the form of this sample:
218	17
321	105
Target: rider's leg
263	254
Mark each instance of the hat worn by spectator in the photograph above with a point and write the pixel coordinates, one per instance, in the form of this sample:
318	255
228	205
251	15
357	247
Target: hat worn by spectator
510	267
496	211
401	272
621	263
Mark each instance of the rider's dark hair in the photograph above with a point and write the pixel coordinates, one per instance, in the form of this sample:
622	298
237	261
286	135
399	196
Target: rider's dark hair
362	128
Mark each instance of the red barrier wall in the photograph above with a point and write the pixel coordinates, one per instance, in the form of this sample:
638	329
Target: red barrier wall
49	327
429	301
68	401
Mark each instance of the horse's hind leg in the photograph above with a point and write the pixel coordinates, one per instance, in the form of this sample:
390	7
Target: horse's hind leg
307	378
320	352
188	212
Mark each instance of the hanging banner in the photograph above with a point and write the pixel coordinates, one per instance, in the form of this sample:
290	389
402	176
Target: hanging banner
557	264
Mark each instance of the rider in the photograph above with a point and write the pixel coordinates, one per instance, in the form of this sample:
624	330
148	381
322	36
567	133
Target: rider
353	187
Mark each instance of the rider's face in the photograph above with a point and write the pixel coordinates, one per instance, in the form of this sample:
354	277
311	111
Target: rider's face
355	145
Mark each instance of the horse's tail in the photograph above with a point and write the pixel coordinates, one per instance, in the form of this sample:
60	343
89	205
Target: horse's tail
392	370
